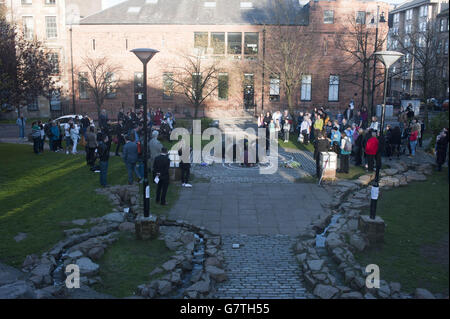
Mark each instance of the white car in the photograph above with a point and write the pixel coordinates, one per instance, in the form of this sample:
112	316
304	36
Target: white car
66	118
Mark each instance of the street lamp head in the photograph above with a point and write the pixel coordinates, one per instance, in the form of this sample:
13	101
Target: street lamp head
382	19
144	54
388	57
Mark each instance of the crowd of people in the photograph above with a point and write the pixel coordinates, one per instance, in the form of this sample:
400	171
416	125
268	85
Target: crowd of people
353	135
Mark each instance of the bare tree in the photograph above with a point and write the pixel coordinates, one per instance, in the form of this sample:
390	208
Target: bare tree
102	79
196	79
25	69
423	57
357	41
289	49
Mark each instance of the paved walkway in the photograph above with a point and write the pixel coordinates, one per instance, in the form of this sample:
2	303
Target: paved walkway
251	209
263	267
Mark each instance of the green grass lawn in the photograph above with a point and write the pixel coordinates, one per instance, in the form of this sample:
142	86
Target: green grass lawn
415	252
37	192
128	263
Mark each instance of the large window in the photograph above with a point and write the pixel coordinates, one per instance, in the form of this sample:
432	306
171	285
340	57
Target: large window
442	25
423	26
201	40
408	28
234	43
333	88
407	42
306	88
223	86
361	17
397	18
328	16
50	1
251	43
83	85
168	86
274	92
33	105
50	27
409	14
218	42
55	100
111	90
28	27
54	62
423	11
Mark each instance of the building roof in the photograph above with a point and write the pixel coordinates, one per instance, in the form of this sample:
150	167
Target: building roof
198	12
411	4
443	13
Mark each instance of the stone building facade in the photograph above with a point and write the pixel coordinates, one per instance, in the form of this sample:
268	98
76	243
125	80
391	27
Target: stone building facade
407	21
242	30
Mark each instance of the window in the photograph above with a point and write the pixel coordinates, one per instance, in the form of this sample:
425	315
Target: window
397	18
423	26
440	45
223	86
27	2
361	17
406	58
333	88
83	85
422	42
234	43
197	85
408	28
33	105
201	41
138	89
274	92
50	27
167	86
218	42
407	42
328	16
50	1
54	62
111	90
442	28
446	47
306	88
395	30
251	43
28	27
93	44
55	100
409	14
423	11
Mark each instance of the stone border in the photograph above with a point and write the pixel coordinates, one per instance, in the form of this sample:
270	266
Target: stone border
344	238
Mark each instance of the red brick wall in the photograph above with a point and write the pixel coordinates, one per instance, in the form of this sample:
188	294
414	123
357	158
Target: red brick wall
116	41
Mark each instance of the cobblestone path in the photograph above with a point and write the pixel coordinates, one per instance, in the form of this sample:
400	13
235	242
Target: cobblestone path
263	267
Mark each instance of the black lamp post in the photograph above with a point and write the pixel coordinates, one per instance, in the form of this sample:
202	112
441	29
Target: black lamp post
379	20
145	55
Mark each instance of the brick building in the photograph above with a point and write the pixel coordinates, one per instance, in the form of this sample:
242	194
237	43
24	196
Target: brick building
240	27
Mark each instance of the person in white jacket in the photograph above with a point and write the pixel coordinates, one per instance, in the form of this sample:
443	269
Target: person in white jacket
74	135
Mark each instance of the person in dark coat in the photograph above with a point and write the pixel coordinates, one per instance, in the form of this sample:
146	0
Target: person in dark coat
395	141
130	157
120	133
91	145
321	144
103	154
358	150
441	149
161	167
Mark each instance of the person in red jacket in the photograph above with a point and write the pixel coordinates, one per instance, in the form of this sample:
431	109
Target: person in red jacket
413	140
371	149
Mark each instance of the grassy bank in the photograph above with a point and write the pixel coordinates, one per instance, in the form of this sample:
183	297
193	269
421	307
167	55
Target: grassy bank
415	252
37	192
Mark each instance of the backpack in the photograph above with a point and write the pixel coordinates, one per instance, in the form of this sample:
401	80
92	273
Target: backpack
348	145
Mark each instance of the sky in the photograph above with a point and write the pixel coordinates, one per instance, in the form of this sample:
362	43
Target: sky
110	3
